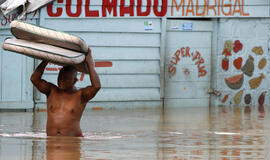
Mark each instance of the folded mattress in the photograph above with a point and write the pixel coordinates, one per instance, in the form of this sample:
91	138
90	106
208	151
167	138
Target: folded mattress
46	44
54	54
26	31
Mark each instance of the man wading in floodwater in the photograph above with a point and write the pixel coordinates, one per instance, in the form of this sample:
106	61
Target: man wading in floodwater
65	104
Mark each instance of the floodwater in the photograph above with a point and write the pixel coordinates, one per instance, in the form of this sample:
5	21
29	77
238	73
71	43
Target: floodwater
226	133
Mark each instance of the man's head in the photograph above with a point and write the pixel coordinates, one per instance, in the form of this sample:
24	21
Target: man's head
67	77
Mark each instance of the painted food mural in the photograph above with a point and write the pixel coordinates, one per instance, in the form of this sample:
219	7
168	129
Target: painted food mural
241	78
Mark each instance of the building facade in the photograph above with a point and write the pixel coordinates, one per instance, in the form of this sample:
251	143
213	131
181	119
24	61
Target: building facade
172	53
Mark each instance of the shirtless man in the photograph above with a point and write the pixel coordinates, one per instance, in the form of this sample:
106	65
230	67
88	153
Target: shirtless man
65	104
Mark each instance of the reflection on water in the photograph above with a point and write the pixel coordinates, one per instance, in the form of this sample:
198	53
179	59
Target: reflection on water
63	148
185	133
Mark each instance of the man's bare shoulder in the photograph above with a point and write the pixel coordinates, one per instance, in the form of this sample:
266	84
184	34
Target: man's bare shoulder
53	85
53	88
80	90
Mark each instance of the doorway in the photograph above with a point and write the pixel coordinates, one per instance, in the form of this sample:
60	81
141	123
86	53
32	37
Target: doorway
188	63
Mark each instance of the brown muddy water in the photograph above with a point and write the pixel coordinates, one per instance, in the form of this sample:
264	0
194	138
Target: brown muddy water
226	133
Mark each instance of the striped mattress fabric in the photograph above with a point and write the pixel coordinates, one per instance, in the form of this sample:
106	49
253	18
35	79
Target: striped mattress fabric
50	53
30	32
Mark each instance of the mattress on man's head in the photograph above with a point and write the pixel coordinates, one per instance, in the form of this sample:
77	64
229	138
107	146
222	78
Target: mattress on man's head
26	31
50	53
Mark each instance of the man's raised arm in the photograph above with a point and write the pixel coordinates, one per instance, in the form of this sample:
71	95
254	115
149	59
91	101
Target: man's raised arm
90	91
42	85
